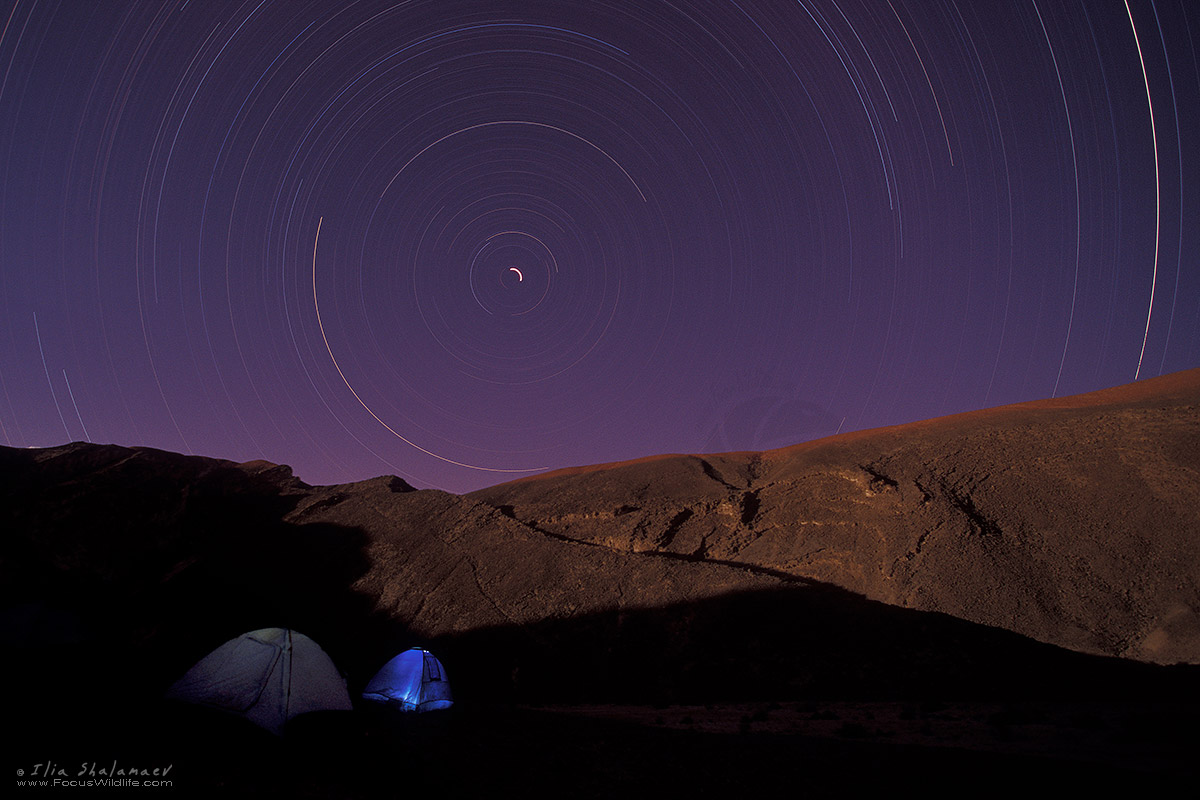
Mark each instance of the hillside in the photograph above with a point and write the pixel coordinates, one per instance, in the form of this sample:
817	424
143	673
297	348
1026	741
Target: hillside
1043	547
1072	521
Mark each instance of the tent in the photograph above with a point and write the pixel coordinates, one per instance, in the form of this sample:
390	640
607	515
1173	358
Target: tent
412	681
267	676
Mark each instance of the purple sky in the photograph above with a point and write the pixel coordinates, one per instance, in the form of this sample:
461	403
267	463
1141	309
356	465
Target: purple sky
557	233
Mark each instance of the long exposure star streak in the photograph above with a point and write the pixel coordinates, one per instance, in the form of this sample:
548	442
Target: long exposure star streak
345	380
1157	190
557	232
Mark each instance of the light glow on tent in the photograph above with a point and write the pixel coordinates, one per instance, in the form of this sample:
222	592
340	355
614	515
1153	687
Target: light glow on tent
412	681
267	676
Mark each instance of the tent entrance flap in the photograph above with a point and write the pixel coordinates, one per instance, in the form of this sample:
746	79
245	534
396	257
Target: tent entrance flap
412	681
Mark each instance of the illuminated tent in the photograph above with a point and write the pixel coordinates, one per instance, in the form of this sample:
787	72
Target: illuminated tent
412	681
267	676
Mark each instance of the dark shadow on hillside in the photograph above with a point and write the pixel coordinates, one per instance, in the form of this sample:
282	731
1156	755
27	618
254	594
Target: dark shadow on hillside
797	642
122	568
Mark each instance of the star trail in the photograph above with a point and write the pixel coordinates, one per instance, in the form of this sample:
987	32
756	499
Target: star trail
463	242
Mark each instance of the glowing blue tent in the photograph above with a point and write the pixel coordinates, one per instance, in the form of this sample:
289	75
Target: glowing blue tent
412	681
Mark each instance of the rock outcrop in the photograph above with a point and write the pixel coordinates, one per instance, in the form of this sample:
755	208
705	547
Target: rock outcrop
1073	521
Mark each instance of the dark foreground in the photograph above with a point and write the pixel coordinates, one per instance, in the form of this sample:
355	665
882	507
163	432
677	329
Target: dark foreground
731	750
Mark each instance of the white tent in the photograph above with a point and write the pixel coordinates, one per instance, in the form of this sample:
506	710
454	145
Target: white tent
412	681
267	676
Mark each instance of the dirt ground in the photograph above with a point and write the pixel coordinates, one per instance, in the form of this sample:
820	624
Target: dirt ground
823	749
1156	739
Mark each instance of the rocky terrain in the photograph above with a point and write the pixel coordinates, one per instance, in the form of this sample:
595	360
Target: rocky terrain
1073	521
1041	552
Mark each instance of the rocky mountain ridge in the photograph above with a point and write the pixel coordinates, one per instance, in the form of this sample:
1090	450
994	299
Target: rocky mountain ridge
1073	521
1018	547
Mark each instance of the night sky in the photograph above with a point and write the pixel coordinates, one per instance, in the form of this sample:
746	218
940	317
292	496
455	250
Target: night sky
464	241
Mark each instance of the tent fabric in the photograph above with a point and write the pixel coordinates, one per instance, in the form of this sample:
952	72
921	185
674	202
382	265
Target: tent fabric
267	676
412	681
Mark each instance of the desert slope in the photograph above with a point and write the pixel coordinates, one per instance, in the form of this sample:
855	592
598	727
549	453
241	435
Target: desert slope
1075	521
967	555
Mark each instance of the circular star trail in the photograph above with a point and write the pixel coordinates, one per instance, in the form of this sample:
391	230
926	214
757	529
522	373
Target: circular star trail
463	242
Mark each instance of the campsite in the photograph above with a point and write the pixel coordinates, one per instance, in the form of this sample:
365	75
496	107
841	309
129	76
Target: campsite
167	610
622	399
